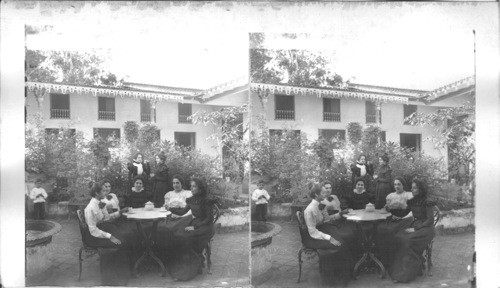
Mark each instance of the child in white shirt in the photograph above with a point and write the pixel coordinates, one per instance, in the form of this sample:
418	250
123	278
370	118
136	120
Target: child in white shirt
260	196
38	195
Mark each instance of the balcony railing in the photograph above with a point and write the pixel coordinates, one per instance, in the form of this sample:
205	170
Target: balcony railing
106	115
371	118
184	119
285	115
331	117
145	117
59	113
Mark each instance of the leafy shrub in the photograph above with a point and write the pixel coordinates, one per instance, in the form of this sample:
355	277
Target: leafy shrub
354	132
131	129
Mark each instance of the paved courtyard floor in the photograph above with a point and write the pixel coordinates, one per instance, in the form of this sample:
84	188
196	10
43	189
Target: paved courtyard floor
451	256
230	268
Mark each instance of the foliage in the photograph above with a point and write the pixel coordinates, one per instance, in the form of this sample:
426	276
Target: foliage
293	67
131	129
229	134
291	166
354	132
148	139
69	67
455	127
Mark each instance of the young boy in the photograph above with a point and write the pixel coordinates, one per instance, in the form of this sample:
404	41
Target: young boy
38	195
260	196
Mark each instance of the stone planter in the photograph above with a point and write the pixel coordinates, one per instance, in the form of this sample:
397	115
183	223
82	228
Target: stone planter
262	234
39	249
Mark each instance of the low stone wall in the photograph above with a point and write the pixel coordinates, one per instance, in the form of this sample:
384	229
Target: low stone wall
233	219
456	221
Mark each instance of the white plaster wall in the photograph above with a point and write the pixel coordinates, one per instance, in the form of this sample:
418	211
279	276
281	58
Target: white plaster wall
309	119
83	109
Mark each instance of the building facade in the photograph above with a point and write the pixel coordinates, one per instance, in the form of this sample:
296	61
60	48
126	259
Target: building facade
104	110
326	112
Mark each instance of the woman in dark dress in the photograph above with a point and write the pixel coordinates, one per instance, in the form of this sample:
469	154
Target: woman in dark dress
139	195
200	229
159	178
364	169
359	197
412	240
115	263
383	182
138	167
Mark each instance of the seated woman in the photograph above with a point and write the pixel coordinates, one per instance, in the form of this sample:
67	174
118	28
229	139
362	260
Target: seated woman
359	197
175	202
396	203
139	196
412	240
115	263
200	229
110	199
322	235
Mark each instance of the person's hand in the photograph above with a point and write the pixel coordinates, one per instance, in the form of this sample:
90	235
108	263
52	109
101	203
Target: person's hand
334	242
115	240
124	210
189	228
343	212
174	216
410	230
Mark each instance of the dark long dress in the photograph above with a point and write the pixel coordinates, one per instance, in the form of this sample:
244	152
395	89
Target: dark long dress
407	262
336	262
383	186
202	221
358	201
137	199
160	184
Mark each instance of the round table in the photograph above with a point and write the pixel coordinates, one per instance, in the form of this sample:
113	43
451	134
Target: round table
368	245
140	215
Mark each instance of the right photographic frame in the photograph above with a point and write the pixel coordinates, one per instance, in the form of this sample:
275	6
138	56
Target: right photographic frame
363	157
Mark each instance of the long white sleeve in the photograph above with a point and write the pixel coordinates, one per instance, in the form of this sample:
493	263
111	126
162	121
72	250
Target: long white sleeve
311	226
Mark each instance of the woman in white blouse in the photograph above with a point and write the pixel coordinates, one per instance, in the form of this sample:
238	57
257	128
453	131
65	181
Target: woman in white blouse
335	254
396	204
177	197
115	269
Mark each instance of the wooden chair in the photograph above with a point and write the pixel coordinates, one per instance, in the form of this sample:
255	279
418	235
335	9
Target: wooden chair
208	248
304	249
84	230
427	254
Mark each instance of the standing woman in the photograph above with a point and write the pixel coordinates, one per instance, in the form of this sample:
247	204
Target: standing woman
383	182
362	168
138	167
160	180
413	239
104	234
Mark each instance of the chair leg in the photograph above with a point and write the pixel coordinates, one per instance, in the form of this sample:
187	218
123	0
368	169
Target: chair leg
429	261
300	264
80	260
209	260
